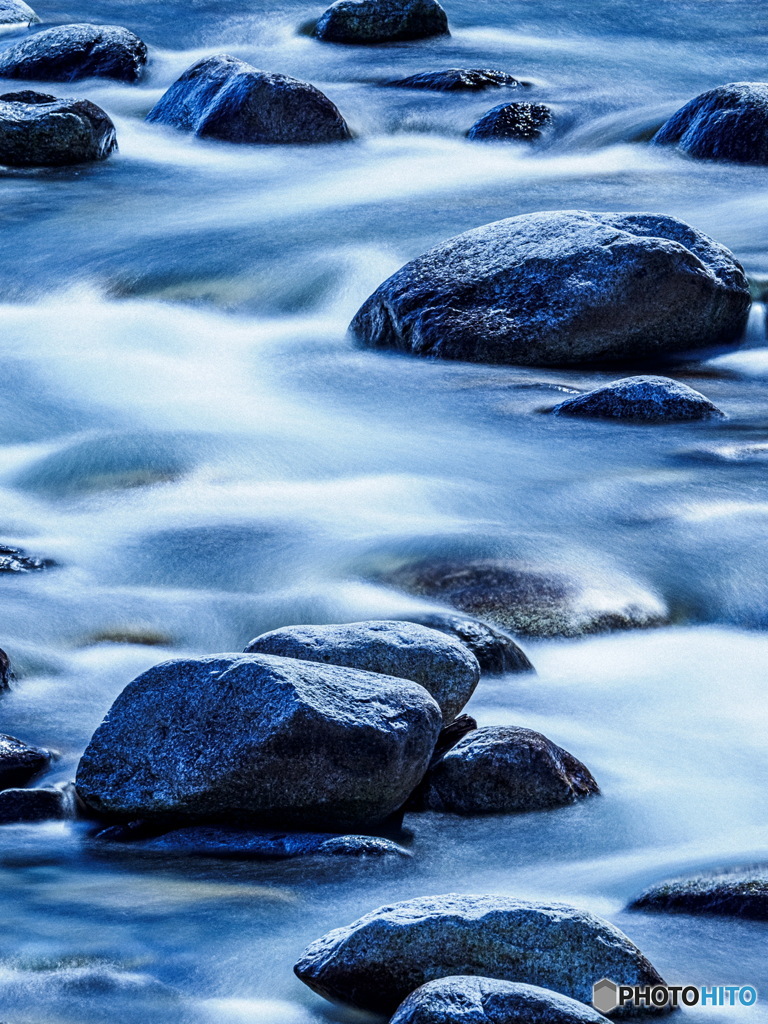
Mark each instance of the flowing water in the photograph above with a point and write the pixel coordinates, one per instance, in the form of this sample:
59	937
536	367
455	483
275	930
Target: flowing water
187	430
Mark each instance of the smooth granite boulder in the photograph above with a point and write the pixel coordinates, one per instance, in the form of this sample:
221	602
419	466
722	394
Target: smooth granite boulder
17	13
49	803
20	762
68	53
741	892
645	399
441	664
378	960
530	601
564	288
726	123
512	122
381	21
37	130
503	769
259	740
458	80
496	651
472	1000
224	98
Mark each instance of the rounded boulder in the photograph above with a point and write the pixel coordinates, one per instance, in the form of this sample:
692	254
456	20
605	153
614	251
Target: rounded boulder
37	130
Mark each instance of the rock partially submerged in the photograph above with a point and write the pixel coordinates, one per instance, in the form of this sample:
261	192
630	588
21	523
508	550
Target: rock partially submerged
38	130
737	893
224	98
14	560
458	80
496	651
376	962
441	664
20	762
259	740
25	806
512	122
567	288
503	770
645	399
16	13
381	21
472	1000
69	53
726	123
532	602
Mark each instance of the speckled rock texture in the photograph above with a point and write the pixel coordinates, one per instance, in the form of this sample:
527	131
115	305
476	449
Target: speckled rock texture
376	962
38	130
381	21
646	399
16	12
565	288
738	893
504	769
20	762
440	663
25	806
513	122
472	1000
255	739
726	123
69	53
496	651
458	80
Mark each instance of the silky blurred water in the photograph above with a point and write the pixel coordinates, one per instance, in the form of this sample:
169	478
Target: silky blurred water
188	431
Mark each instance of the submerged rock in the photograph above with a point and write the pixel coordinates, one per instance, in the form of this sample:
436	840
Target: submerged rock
472	1000
738	893
16	12
255	739
726	123
502	770
14	560
19	762
224	98
496	652
512	121
441	664
647	399
381	21
458	80
68	53
378	960
532	602
561	289
24	806
5	671
37	130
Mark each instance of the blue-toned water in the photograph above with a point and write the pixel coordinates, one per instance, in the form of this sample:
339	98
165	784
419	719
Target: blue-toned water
188	431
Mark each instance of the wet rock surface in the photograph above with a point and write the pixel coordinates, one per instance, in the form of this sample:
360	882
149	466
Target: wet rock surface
381	21
441	664
24	806
645	399
16	12
737	893
69	53
726	123
561	289
14	560
496	651
458	80
376	962
522	122
20	762
38	130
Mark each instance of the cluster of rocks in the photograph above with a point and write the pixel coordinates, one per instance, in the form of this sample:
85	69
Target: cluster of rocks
20	765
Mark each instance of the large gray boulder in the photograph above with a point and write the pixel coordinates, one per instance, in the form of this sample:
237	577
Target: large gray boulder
17	13
224	98
20	762
561	289
375	962
472	1000
501	770
255	739
68	53
441	664
381	21
726	123
641	399
741	892
37	130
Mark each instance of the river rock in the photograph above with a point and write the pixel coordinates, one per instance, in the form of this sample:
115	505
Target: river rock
243	844
472	1000
255	739
37	130
381	21
533	602
563	288
375	962
224	98
68	53
441	664
726	123
496	651
24	806
738	893
14	560
646	399
16	12
5	671
522	122
458	80
501	770
19	762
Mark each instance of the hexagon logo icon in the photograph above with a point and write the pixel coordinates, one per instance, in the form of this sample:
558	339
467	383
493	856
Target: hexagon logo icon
605	995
